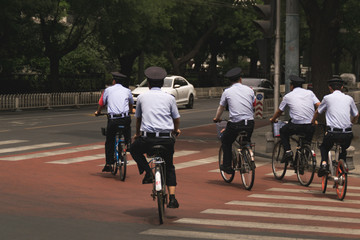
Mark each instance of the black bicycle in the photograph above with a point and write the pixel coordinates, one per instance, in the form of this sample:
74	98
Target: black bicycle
157	164
242	161
304	163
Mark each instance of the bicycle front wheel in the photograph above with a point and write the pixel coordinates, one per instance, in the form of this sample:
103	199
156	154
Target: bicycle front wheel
341	184
306	164
278	168
247	170
122	162
226	176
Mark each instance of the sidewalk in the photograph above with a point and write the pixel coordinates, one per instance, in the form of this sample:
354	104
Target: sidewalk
263	149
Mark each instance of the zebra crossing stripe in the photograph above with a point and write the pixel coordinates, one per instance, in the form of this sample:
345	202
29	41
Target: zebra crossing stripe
280	215
12	142
31	147
271	226
298	198
184	153
210	235
51	153
311	191
79	159
257	165
296	206
196	162
319	185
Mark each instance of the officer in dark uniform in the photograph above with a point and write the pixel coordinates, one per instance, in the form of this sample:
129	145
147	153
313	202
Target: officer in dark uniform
301	103
119	103
157	121
240	100
341	113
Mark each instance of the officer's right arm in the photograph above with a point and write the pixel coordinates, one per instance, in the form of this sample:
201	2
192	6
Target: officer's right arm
219	112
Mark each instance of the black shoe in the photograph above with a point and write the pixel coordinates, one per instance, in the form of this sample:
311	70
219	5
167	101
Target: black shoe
107	168
322	171
287	156
173	203
227	169
149	178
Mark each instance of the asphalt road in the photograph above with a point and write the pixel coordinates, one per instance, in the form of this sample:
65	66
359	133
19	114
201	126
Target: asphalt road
58	191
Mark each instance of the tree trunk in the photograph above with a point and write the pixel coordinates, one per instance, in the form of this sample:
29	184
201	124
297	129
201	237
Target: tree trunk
54	73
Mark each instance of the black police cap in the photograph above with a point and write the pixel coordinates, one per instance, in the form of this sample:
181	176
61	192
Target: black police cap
155	73
233	74
337	80
296	80
117	75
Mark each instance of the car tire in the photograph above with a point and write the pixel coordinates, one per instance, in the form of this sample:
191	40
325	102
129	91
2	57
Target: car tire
190	104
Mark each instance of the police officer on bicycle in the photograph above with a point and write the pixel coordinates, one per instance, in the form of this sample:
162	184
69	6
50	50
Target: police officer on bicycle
157	121
240	100
302	104
341	113
119	103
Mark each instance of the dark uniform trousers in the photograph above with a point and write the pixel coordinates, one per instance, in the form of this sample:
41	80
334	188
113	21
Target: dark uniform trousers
143	145
332	137
291	128
112	128
229	136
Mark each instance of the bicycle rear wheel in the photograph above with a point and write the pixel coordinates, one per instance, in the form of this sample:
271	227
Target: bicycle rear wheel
122	162
160	192
115	165
226	176
341	184
278	168
306	164
247	170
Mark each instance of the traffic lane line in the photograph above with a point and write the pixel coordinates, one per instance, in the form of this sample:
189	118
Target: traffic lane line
32	147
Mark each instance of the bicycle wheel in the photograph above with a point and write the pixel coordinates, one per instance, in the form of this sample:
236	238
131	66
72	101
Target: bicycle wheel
122	162
306	164
160	189
247	169
227	177
278	168
341	184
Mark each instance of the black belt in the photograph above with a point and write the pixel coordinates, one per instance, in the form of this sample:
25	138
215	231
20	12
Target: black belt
157	134
339	129
122	115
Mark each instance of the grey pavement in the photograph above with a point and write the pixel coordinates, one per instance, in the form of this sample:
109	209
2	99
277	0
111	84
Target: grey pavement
263	148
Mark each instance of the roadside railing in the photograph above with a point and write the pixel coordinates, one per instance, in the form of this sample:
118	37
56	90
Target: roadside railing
47	100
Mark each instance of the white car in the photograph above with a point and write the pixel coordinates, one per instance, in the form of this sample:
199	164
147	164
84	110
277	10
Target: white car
183	91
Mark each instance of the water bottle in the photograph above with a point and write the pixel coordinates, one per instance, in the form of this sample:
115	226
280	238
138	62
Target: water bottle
157	181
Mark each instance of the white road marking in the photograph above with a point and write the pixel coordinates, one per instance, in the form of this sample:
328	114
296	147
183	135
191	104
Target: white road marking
52	153
79	159
184	153
307	190
12	142
298	198
295	206
31	147
196	162
271	226
319	185
210	235
280	215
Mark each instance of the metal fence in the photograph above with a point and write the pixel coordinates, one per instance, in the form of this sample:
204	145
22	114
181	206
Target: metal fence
47	100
